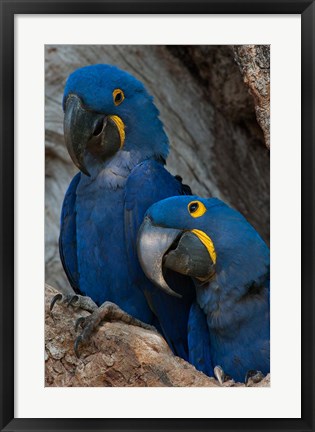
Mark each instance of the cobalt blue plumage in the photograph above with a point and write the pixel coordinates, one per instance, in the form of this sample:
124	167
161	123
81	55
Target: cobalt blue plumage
234	297
114	135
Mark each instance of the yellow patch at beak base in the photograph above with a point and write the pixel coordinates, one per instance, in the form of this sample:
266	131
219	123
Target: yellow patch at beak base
207	242
121	128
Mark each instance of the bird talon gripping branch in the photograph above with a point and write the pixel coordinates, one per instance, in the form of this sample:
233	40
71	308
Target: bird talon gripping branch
75	300
253	376
107	312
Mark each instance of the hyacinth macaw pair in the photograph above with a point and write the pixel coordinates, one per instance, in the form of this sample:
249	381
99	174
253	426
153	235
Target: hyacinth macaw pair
211	305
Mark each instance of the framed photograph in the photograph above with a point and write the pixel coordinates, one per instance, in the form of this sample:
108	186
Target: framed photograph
230	123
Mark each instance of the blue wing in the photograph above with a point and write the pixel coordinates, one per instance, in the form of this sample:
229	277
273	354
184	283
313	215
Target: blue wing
148	183
199	340
68	238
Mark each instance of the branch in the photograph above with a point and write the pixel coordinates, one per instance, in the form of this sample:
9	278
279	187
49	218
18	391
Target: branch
118	355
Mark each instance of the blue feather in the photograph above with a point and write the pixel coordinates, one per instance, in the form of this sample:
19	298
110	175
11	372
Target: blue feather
199	343
67	238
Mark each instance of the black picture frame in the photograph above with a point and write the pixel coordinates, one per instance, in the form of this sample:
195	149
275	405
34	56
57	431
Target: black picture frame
8	10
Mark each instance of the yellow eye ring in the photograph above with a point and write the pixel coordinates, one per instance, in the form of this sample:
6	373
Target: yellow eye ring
118	96
196	209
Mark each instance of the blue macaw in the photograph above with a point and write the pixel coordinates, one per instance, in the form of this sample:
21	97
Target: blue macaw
229	264
115	137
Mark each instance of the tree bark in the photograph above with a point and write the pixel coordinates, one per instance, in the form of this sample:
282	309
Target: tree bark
118	355
254	63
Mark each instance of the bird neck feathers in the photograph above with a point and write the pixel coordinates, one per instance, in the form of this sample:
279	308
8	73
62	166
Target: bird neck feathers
113	173
227	299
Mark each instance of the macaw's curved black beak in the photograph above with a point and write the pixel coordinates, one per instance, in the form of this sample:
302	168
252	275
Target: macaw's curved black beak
86	130
182	251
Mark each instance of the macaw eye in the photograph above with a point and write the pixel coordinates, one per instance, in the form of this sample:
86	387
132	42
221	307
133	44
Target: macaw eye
193	207
196	209
118	96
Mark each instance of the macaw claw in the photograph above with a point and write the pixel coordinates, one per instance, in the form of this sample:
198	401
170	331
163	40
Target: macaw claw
74	300
77	342
55	299
253	377
79	323
220	375
108	311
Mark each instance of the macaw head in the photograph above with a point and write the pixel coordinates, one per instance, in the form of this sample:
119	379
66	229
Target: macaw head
107	110
203	238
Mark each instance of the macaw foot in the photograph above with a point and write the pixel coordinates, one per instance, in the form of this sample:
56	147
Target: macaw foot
74	300
220	375
108	311
253	377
